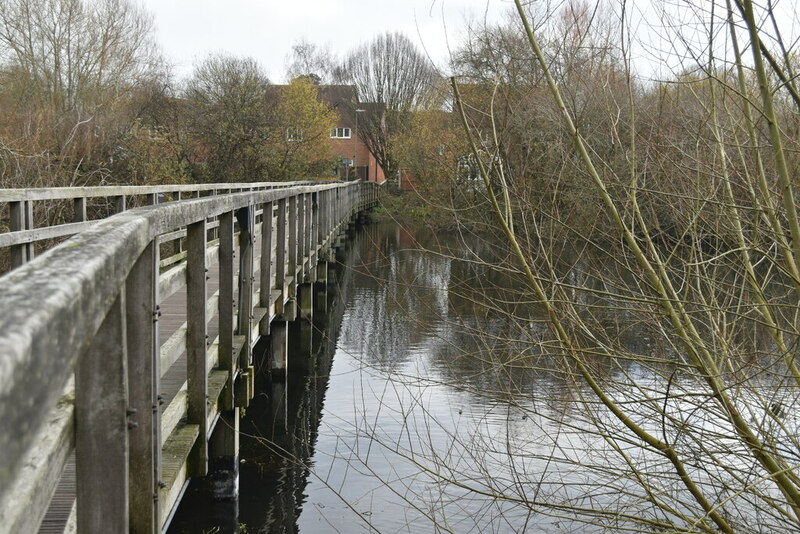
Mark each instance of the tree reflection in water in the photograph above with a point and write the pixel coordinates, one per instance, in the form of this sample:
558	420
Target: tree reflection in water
438	399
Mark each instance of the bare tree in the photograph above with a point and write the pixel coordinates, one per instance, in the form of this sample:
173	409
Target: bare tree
674	352
395	78
312	62
71	50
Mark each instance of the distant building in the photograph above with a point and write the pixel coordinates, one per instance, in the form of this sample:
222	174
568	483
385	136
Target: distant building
355	161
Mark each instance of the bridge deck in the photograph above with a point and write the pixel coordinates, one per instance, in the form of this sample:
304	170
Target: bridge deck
173	316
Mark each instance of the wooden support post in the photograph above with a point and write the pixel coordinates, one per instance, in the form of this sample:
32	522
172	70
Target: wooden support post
19	253
301	233
290	308
101	428
196	364
307	226
302	361
281	257
319	210
29	247
246	242
321	298
278	347
313	231
265	269
292	241
120	204
144	374
306	301
226	304
224	453
78	210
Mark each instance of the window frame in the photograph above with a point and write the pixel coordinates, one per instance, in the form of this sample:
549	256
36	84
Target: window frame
346	132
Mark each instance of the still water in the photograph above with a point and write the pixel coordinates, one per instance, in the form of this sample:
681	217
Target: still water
365	439
421	406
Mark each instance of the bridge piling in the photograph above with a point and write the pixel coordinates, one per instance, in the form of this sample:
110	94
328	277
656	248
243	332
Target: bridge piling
224	456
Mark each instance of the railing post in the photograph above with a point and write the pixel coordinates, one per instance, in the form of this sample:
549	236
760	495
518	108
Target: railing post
79	209
101	428
196	365
29	247
120	203
19	253
311	233
292	243
244	327
281	258
266	265
226	302
144	374
302	226
320	206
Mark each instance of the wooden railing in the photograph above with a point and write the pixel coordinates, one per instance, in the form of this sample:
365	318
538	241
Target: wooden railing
80	358
37	217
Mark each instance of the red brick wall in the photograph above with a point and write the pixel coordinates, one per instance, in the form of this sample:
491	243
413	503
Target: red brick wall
346	148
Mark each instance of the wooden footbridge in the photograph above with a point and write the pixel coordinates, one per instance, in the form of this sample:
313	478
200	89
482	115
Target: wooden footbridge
126	349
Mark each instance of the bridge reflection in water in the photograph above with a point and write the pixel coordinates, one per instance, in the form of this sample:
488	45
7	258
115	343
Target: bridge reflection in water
279	430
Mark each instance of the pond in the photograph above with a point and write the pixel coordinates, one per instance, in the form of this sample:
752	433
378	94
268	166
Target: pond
424	406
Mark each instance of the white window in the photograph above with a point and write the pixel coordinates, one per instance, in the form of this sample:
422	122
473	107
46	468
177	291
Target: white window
340	133
294	134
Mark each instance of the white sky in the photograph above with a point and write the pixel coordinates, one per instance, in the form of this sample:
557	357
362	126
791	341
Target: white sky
188	30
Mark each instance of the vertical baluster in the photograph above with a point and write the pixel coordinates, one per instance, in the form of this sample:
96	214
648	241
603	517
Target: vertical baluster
281	257
79	209
309	234
244	327
119	204
266	266
292	243
226	302
301	234
144	374
197	373
101	428
29	247
19	253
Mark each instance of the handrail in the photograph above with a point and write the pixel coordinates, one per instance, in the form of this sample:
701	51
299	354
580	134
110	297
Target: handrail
24	233
64	193
52	307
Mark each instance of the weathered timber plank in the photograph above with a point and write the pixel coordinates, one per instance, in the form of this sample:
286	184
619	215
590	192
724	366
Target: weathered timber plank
27	501
226	299
174	279
174	469
196	366
23	237
175	346
101	427
144	376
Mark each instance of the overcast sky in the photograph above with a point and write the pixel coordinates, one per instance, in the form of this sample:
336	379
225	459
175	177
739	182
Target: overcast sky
190	29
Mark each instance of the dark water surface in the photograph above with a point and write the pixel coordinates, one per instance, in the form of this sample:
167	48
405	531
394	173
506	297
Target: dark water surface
359	443
426	407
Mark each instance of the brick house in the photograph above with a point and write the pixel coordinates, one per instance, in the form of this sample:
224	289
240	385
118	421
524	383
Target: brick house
355	159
